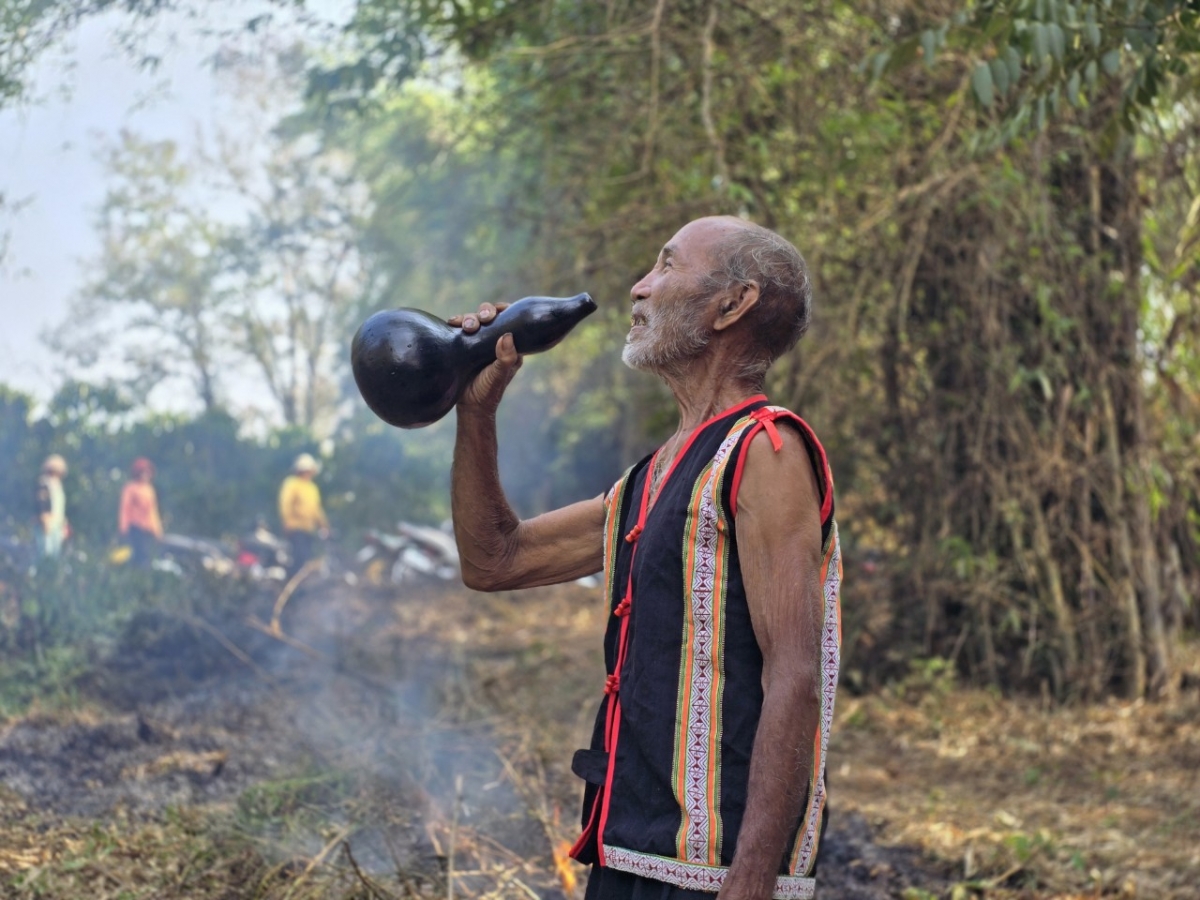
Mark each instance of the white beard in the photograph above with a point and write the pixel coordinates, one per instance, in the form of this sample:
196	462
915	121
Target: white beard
669	342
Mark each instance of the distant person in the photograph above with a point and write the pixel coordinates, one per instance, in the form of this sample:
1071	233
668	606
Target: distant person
300	511
52	524
138	521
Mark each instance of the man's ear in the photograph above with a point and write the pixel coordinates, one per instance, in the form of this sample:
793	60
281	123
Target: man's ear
736	303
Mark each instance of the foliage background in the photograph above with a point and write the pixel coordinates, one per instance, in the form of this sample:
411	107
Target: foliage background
1000	203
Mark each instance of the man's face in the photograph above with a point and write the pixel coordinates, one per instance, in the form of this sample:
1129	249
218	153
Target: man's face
670	323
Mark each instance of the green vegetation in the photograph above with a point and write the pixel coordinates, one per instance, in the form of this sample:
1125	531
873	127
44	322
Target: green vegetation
1004	281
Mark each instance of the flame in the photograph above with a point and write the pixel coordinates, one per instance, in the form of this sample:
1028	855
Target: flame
565	867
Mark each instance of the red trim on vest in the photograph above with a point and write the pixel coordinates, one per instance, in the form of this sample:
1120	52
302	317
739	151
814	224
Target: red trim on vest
581	841
766	422
765	417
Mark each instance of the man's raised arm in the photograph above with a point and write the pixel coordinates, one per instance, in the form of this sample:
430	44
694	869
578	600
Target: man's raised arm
499	551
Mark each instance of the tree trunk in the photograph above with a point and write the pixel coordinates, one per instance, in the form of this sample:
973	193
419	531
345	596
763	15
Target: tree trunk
1128	220
1123	586
1096	654
1058	599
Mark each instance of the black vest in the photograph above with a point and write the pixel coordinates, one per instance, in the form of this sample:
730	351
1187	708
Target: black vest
668	769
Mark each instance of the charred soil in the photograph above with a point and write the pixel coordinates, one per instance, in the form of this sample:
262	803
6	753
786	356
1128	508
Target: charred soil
397	745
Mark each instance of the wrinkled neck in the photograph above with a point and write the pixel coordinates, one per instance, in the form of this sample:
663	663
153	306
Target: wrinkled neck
704	387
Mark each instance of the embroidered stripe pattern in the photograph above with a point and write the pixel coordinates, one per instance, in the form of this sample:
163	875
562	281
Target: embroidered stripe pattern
805	853
701	678
612	522
697	877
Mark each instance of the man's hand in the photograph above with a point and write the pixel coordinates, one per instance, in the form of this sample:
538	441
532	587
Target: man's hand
485	392
497	550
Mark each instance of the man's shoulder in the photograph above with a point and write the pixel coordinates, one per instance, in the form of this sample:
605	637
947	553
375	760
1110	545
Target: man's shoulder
780	448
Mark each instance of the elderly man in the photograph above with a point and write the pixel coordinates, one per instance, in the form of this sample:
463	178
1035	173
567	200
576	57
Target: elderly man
720	552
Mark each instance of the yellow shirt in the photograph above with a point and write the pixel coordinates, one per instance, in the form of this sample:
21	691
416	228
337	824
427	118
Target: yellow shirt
300	505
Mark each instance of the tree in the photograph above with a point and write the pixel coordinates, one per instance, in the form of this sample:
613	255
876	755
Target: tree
300	274
240	267
157	292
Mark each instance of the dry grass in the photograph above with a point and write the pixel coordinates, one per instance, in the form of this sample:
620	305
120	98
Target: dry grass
1032	801
1027	801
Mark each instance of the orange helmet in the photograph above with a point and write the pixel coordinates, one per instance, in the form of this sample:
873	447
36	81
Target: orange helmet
141	466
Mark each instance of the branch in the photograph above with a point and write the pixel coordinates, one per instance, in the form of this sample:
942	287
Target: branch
655	66
710	128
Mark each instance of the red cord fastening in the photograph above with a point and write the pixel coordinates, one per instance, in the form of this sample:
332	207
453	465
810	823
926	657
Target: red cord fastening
622	608
611	684
766	417
634	534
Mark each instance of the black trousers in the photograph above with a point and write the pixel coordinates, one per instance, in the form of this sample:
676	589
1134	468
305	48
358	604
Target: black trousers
304	548
143	545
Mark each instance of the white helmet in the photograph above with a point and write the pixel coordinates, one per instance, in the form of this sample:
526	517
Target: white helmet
305	463
55	464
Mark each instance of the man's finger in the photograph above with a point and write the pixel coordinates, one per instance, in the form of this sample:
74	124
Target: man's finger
471	322
506	350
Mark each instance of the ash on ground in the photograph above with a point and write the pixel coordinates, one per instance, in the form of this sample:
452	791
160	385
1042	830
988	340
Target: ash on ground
402	724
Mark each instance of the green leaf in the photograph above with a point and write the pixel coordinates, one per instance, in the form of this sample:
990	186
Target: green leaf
1041	42
1111	61
1090	73
1013	60
902	54
981	82
878	63
1039	117
1073	88
996	28
928	47
999	75
1058	40
1092	30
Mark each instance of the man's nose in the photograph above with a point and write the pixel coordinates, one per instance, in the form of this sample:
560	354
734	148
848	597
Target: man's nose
640	291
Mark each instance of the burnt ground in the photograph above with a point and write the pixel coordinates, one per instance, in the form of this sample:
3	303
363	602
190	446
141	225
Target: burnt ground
430	731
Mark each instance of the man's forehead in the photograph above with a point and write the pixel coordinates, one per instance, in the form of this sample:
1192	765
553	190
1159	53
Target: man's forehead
700	235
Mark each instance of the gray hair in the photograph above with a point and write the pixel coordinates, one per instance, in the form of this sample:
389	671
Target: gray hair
784	309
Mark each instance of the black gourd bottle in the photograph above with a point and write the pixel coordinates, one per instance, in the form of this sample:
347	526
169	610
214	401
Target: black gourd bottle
411	367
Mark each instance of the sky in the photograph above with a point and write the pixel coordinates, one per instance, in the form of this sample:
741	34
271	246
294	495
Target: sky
84	94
